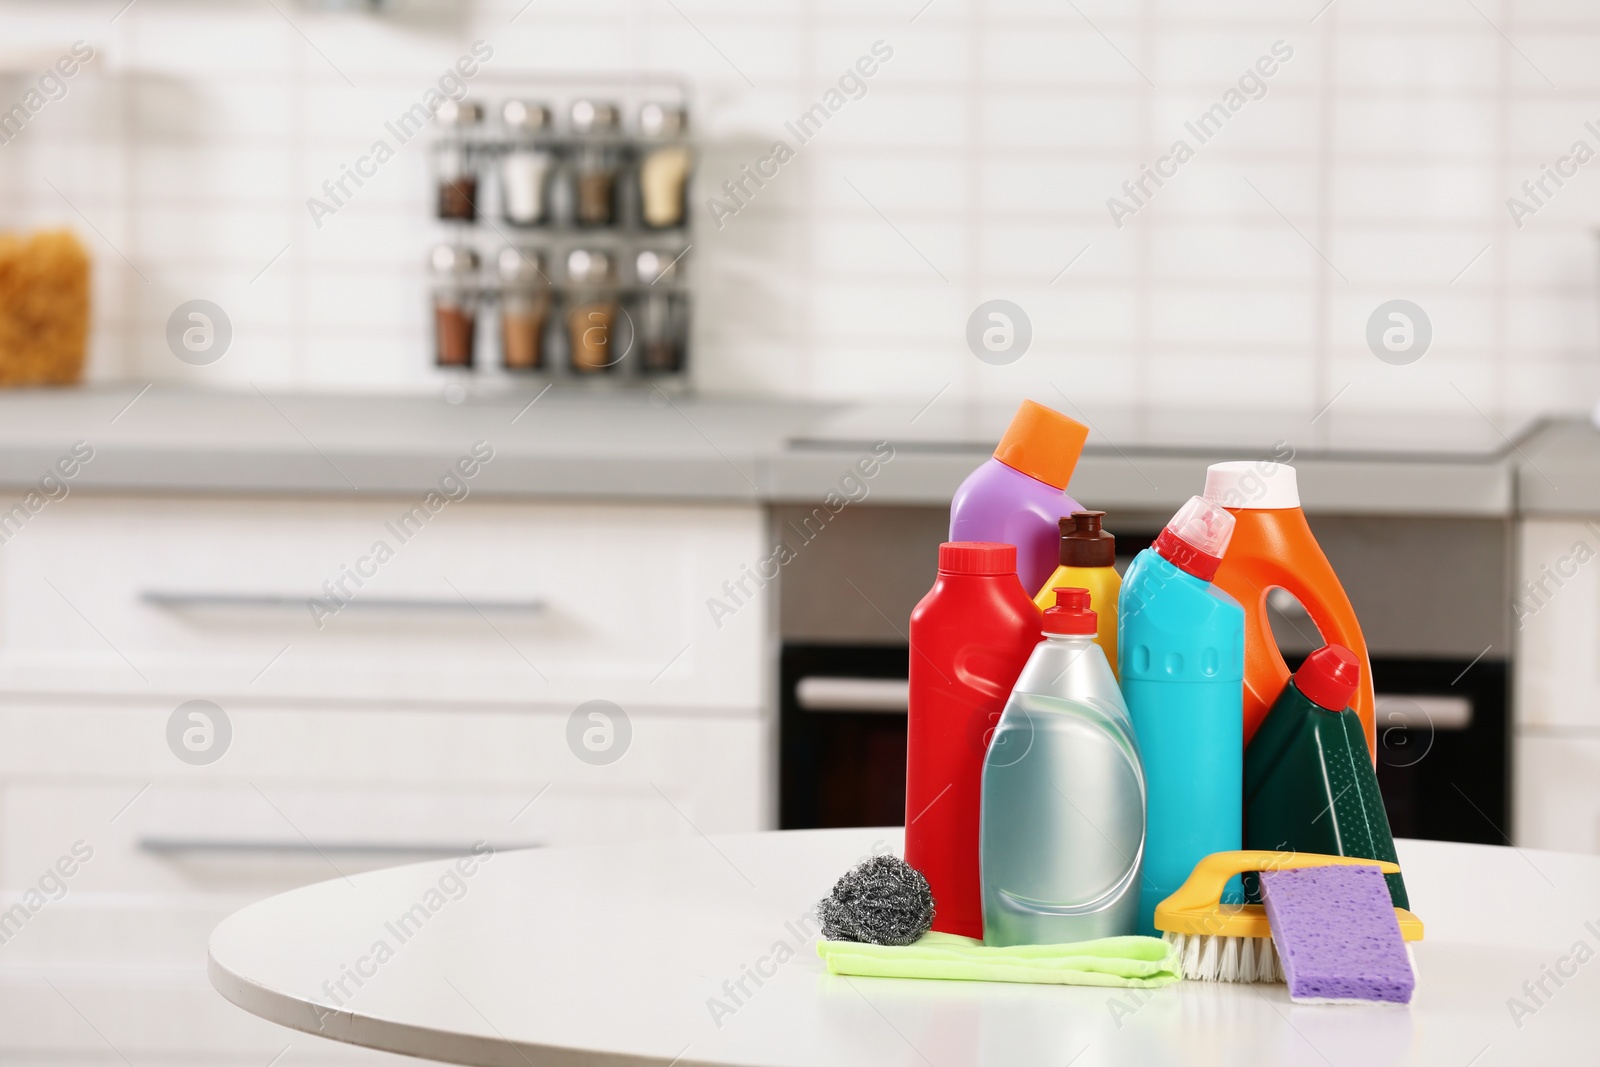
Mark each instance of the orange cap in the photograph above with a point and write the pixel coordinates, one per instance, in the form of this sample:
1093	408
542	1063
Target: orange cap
1042	444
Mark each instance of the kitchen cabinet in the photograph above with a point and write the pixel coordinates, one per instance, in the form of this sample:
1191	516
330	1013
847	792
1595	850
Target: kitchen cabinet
1558	792
1556	609
380	600
433	709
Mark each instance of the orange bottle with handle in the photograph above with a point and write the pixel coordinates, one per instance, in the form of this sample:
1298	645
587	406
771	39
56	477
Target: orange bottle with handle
1273	547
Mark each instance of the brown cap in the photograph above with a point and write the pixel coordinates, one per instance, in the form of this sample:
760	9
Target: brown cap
1084	543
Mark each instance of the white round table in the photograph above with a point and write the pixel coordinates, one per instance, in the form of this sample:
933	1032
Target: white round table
693	951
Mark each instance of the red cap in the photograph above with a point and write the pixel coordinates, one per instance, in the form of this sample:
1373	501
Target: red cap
1329	677
977	557
1071	615
1186	557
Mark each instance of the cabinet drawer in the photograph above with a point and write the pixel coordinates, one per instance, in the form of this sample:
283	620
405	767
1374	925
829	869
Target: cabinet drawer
301	796
250	841
1557	792
346	600
79	740
115	1018
1556	609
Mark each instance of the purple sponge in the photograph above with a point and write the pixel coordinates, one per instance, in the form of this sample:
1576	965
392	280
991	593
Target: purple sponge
1337	936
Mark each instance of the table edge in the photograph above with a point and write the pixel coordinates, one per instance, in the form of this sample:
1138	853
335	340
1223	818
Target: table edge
425	1043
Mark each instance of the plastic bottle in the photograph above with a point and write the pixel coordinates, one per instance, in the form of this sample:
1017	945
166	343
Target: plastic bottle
1062	826
1019	496
1088	555
1273	547
1181	642
1309	785
970	636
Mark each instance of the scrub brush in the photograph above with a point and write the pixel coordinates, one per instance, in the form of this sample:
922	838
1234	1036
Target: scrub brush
1219	942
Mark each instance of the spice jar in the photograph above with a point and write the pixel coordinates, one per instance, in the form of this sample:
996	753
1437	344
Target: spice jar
455	305
661	313
525	170
458	182
664	171
597	161
524	309
592	312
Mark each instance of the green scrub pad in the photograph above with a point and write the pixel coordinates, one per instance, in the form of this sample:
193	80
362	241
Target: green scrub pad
1130	962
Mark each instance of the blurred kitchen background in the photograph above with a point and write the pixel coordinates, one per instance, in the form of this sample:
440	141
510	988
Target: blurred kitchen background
651	595
977	164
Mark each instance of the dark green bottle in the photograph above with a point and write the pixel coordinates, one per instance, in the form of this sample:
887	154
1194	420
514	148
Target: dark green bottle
1309	785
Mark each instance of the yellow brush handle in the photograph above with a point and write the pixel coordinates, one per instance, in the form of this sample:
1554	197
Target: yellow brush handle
1205	883
1196	907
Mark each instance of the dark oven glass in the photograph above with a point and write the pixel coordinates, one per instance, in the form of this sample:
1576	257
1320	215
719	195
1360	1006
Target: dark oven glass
1442	746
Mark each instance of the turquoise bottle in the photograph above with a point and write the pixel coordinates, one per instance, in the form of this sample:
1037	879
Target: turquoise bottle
1180	647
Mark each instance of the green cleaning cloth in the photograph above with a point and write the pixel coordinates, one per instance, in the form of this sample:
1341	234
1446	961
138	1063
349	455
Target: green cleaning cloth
1137	962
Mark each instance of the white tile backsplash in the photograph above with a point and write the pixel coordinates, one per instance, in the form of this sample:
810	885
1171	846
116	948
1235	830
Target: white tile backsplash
1430	60
1083	319
982	155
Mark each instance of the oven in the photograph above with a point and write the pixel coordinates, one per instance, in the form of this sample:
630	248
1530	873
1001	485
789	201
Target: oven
1438	647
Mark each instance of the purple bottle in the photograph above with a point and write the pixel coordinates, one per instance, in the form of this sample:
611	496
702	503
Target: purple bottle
1019	496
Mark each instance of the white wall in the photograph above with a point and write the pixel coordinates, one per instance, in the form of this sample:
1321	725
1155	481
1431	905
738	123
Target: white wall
977	166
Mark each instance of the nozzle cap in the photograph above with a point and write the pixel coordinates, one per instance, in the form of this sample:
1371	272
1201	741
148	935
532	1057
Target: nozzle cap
1071	614
1042	444
1196	538
977	557
1085	543
1329	677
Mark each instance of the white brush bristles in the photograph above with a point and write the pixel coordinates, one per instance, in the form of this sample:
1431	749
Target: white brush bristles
1204	958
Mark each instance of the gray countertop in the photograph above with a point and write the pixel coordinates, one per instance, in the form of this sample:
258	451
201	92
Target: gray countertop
190	440
652	447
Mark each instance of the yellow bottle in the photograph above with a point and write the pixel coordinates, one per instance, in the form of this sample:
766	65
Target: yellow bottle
1087	555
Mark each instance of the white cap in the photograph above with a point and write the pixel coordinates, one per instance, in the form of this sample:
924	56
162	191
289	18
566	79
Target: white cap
1257	484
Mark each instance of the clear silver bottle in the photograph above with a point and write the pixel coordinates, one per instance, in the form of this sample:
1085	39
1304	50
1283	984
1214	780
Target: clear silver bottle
1061	838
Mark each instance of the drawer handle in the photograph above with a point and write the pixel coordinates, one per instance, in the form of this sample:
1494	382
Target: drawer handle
176	846
892	696
173	601
1414	711
888	696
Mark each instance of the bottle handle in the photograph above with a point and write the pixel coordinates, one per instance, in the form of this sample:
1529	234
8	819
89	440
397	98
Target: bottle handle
1338	627
1327	621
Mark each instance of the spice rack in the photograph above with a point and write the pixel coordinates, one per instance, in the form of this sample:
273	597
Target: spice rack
564	232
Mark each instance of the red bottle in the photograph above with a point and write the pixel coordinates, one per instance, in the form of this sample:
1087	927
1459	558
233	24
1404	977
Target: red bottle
970	637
